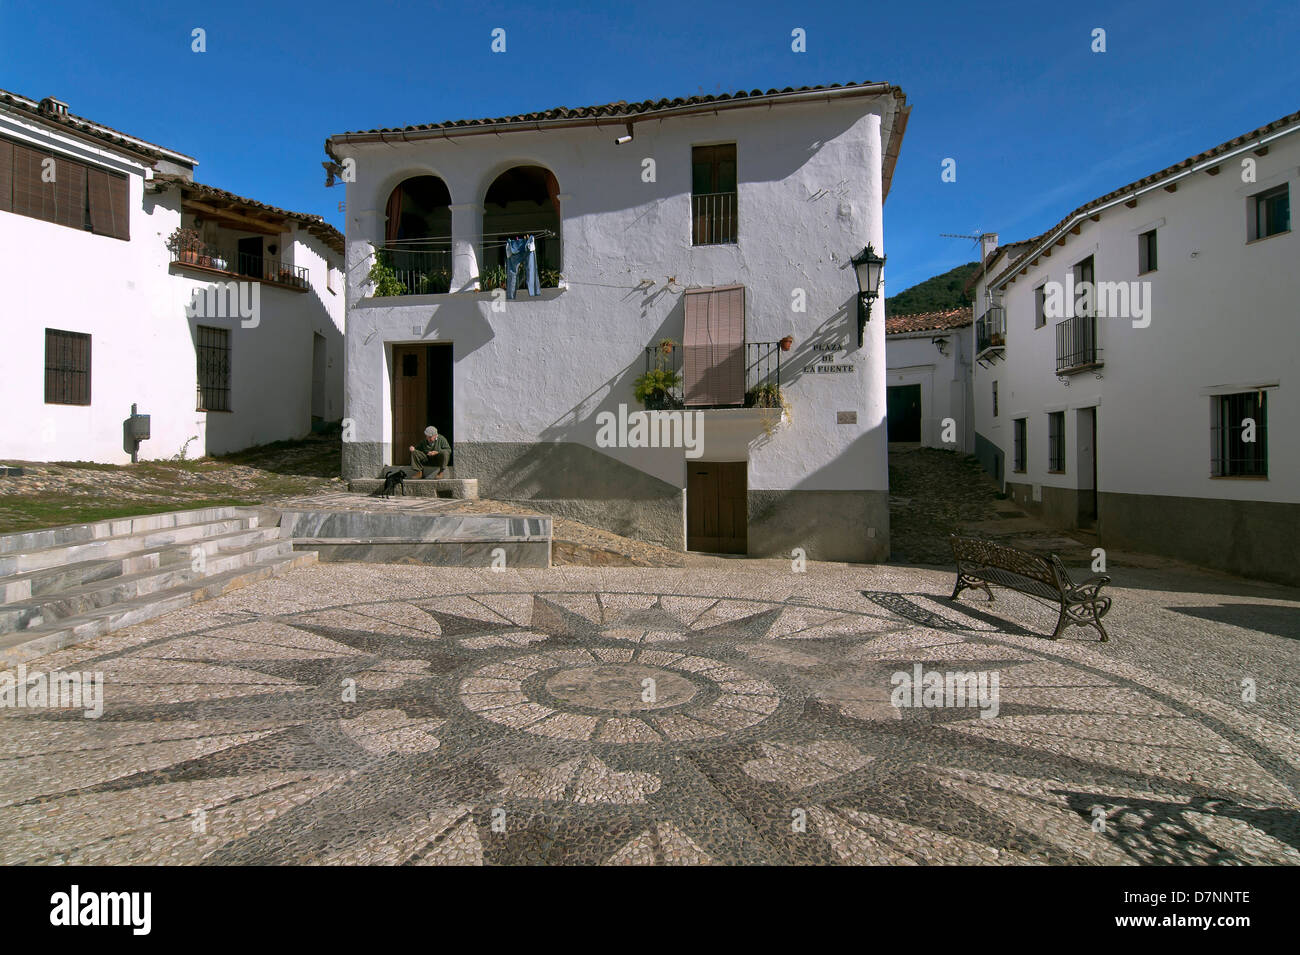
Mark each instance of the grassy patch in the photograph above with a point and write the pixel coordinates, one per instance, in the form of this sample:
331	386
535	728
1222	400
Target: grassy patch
33	513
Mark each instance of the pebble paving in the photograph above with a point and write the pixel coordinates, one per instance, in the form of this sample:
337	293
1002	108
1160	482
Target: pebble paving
368	714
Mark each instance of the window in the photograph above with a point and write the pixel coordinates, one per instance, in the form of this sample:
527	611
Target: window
67	368
713	194
1270	212
1240	435
1085	299
1147	252
1019	454
80	196
713	365
995	399
1040	306
214	368
1056	441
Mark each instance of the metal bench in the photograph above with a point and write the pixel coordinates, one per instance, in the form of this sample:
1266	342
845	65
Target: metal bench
981	562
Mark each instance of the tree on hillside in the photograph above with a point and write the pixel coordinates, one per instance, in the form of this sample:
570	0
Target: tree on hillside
937	294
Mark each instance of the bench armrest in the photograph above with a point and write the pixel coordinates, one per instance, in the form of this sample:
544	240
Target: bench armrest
1090	587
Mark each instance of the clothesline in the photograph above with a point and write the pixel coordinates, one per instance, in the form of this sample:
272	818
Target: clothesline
446	240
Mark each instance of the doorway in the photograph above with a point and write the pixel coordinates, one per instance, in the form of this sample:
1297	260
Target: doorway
422	396
1086	447
717	507
903	403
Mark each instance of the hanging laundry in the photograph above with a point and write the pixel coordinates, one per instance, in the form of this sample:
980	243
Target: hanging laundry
521	251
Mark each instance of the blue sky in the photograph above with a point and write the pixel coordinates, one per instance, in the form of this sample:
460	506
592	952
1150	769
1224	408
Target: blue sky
1037	122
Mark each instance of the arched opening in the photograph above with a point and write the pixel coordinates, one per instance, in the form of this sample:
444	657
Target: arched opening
523	200
415	258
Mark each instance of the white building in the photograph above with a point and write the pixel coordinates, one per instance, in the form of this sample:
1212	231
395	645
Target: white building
100	315
928	394
1164	411
722	223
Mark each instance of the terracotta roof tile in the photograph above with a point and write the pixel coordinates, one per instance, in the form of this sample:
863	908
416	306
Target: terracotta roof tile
86	127
928	321
314	224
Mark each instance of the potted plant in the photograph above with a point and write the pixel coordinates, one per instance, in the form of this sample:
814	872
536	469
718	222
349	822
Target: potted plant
787	343
186	245
383	278
764	396
655	387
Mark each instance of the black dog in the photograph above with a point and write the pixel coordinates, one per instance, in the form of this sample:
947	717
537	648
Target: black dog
394	480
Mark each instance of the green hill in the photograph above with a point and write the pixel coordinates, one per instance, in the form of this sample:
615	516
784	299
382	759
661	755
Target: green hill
933	295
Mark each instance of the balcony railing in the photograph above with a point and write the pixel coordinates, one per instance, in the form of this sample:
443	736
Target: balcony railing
1076	345
263	268
713	218
418	271
991	329
762	376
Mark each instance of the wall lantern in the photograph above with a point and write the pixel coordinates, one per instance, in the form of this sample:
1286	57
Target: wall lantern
868	267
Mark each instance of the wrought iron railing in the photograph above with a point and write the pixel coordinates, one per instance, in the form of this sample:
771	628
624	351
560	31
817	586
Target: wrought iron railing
263	268
713	218
419	271
1076	344
762	376
991	329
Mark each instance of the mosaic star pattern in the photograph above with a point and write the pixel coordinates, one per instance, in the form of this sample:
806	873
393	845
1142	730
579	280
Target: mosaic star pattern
626	727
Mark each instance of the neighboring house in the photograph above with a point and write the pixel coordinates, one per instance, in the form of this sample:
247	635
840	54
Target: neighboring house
1160	407
723	223
929	379
100	315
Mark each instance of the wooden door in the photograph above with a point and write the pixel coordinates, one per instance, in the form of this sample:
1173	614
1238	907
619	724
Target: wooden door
410	399
717	507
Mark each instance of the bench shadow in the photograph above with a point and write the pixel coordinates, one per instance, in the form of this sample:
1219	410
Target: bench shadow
902	606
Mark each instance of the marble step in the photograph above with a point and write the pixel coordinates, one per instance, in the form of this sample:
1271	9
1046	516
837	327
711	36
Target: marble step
93	596
37	583
68	553
23	541
24	645
465	489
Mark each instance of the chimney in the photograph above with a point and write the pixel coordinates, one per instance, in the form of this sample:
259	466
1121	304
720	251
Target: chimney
54	107
988	242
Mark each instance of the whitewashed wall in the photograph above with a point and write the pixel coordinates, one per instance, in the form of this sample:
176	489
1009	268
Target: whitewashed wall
945	380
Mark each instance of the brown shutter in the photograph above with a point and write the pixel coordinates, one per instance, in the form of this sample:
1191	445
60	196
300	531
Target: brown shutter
713	369
6	176
108	204
31	196
69	189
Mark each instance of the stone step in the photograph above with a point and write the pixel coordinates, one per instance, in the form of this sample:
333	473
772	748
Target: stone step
465	489
118	545
37	583
89	597
24	541
24	645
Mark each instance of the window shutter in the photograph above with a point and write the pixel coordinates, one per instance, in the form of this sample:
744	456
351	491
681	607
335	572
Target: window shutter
69	188
31	196
108	204
6	176
713	369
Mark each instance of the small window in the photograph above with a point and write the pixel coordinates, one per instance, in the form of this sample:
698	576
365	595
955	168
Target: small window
329	277
1056	441
410	365
1270	212
1019	454
1040	306
995	399
713	194
1147	252
213	352
1240	435
67	367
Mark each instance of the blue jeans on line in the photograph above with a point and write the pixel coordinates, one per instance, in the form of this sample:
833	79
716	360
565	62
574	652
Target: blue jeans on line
521	251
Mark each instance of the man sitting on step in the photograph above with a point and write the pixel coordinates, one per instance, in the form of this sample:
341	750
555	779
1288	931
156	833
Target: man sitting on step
434	449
